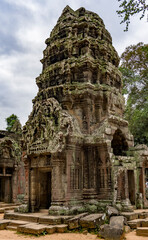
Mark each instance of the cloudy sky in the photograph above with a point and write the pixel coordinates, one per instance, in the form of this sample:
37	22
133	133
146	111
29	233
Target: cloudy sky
24	26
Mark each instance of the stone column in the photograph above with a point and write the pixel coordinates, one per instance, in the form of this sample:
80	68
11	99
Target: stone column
26	167
14	183
126	186
32	189
8	190
58	193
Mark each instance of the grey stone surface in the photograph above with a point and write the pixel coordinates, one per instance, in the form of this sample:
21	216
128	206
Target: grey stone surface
91	221
111	211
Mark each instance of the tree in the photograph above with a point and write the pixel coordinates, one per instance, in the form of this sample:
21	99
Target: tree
134	68
130	8
13	123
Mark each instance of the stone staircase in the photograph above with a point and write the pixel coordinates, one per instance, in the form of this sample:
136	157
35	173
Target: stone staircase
138	220
7	206
41	222
38	223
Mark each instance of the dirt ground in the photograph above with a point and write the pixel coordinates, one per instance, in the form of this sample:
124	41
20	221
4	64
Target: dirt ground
7	235
12	235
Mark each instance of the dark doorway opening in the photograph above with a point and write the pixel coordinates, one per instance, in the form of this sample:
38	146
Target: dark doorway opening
2	188
131	186
146	183
119	143
45	190
5	189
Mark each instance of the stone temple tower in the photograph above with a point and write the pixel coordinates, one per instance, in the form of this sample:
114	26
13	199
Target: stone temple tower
76	138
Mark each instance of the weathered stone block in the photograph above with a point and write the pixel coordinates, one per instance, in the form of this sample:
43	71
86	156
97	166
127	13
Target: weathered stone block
75	221
134	223
61	228
111	233
3	224
32	228
130	215
117	221
50	229
142	231
50	220
91	221
111	211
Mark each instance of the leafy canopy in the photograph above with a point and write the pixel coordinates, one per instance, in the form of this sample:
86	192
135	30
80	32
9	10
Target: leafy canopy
134	67
11	121
130	8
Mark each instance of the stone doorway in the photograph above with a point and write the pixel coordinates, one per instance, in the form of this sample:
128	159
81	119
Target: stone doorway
2	193
131	186
45	190
146	183
5	189
119	143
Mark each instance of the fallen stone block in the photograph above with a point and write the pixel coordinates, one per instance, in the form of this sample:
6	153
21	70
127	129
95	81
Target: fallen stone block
91	221
74	222
111	233
117	221
111	211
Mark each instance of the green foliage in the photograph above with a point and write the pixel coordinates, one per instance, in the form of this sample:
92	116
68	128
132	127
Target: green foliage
130	8
134	67
11	121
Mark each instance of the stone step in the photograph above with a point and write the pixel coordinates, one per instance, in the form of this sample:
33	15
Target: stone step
51	229
142	231
91	221
51	220
138	223
16	223
61	228
35	228
135	223
3	209
2	204
130	215
32	228
4	223
143	215
21	216
14	228
144	223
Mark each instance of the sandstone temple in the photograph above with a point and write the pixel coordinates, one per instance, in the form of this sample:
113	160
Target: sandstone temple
77	150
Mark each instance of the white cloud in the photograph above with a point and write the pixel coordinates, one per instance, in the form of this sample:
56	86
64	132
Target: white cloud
24	26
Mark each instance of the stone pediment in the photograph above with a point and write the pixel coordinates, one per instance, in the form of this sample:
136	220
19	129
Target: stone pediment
47	128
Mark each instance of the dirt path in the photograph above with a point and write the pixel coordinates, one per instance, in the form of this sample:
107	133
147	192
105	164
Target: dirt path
12	235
